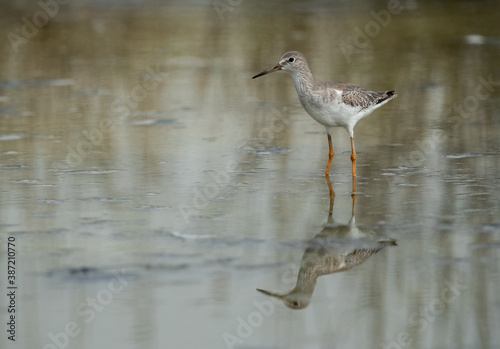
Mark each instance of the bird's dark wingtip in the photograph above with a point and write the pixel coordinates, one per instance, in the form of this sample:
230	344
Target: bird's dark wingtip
386	96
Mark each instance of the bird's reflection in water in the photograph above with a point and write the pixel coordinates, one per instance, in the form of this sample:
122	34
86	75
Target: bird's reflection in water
336	248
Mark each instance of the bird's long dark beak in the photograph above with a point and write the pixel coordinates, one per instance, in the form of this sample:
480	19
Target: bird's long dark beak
267	71
280	296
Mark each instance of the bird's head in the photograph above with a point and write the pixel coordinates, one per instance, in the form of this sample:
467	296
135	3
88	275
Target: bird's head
294	299
292	62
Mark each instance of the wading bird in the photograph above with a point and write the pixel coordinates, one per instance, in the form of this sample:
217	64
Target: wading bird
332	104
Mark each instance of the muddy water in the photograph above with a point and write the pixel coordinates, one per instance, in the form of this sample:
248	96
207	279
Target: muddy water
151	186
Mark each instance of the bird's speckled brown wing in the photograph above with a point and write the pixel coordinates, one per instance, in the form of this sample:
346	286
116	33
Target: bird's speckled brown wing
356	96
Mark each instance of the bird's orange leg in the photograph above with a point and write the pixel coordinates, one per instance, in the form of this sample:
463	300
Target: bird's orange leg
353	158
330	155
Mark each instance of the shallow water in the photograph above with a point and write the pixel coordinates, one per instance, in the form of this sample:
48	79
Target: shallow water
151	185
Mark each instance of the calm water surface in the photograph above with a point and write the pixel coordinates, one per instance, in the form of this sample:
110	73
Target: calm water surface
151	185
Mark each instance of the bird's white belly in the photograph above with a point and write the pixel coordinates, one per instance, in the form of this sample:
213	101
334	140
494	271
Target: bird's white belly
333	114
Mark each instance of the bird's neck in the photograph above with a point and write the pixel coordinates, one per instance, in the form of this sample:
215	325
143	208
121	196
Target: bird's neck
303	80
306	281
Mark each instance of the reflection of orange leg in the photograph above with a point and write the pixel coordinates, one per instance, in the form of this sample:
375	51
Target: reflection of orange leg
353	158
332	196
354	195
330	155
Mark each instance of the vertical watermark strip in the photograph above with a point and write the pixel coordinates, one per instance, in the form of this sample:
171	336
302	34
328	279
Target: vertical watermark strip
11	288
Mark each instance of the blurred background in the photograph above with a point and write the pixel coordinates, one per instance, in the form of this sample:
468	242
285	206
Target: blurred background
152	186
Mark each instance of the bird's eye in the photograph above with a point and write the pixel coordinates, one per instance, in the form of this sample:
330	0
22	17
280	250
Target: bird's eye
291	59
